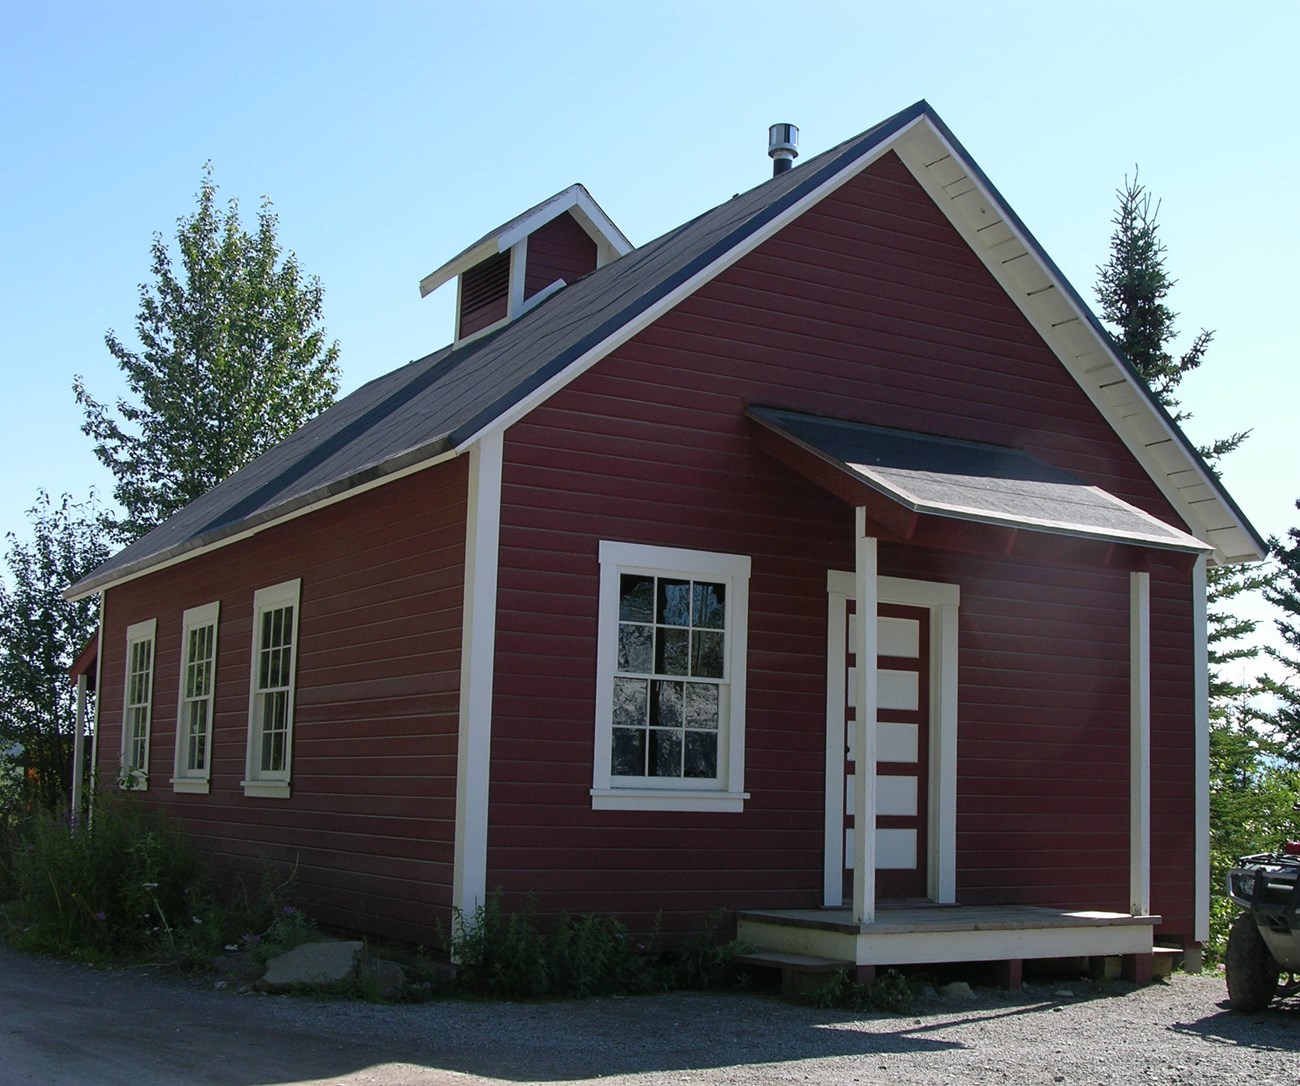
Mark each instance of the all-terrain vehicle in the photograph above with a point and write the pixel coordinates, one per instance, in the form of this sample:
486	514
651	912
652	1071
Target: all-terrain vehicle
1264	942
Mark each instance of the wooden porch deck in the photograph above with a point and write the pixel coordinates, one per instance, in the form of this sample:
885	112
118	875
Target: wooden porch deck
914	935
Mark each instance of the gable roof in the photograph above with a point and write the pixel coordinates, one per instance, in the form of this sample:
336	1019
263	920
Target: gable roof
439	405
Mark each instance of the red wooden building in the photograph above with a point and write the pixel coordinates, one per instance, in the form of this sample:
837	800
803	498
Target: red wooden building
579	605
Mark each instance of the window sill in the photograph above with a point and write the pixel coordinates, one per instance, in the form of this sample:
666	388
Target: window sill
266	789
666	799
187	784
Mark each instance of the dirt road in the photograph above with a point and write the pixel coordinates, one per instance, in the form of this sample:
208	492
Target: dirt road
61	1025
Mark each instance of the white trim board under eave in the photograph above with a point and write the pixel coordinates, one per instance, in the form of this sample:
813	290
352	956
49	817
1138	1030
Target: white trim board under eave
1088	358
275	522
647	317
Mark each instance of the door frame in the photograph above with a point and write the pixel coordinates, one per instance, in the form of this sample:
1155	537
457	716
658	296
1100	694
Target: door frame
942	601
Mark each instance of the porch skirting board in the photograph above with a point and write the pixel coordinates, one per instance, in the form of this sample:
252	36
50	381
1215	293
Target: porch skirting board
914	936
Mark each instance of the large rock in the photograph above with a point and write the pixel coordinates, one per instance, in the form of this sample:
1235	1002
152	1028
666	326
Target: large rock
312	964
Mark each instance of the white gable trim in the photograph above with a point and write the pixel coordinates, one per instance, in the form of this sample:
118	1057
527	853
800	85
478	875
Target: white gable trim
611	242
648	316
1046	301
1050	305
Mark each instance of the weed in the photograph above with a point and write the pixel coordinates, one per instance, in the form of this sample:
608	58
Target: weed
888	992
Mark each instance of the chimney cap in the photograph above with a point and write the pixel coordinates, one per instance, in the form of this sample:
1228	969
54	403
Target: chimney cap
782	146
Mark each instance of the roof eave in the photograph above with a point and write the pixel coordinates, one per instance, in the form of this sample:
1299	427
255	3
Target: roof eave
1075	334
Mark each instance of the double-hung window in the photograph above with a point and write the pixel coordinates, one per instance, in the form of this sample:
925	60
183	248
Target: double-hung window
670	685
137	703
271	690
197	690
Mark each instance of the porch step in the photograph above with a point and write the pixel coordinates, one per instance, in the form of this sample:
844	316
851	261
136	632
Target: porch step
800	973
1165	959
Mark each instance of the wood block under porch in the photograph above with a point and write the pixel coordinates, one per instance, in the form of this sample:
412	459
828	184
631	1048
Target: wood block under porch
947	934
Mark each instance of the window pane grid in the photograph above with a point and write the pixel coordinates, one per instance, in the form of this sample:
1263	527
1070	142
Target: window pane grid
196	704
669	675
138	683
274	677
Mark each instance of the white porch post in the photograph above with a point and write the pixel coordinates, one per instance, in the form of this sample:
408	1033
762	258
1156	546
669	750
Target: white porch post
1139	744
79	750
867	588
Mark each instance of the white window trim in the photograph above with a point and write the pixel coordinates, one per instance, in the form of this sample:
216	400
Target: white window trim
184	779
272	785
136	778
727	793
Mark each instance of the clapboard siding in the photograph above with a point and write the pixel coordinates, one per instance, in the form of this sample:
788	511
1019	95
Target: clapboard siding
370	824
559	250
868	308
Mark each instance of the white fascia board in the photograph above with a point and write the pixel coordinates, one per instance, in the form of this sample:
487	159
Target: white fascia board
648	316
275	522
588	214
468	259
1079	323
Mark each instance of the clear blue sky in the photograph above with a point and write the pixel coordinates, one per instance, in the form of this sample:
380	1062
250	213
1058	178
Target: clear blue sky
389	135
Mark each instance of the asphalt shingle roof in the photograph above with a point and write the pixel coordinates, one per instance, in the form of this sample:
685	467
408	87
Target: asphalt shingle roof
432	405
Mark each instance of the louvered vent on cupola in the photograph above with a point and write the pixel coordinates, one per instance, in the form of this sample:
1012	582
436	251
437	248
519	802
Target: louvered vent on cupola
520	264
484	295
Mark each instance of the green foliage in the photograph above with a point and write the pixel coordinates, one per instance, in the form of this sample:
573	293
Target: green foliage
1252	794
1132	287
233	359
130	883
513	956
890	992
1284	594
41	634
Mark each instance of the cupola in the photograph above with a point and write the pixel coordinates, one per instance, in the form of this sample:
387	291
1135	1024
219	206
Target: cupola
515	266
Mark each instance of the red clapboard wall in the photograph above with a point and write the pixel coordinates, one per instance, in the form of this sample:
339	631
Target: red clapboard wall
871	308
369	828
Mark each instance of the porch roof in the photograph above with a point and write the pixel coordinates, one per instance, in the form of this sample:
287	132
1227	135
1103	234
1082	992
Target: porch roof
960	480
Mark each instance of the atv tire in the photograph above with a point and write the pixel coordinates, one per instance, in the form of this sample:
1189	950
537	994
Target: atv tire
1252	970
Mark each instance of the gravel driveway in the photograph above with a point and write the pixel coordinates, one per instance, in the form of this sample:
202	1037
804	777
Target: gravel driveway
62	1025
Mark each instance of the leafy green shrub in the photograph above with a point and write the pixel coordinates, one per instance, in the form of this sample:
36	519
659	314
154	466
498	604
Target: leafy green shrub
109	892
512	956
888	992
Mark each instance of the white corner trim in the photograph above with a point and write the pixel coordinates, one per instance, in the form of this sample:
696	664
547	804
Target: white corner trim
865	619
1201	696
99	698
625	332
1140	744
477	665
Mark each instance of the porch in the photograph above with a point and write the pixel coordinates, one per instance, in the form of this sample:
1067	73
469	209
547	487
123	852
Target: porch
943	934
